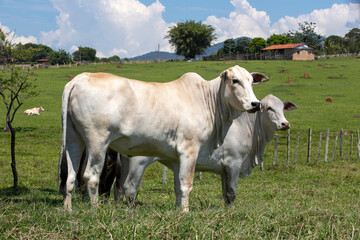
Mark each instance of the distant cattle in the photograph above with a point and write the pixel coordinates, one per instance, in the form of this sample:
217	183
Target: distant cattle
34	111
242	150
184	121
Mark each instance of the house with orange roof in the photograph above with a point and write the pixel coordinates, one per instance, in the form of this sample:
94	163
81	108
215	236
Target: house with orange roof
294	51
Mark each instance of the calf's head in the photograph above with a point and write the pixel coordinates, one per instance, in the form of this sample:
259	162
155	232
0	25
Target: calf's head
238	88
273	111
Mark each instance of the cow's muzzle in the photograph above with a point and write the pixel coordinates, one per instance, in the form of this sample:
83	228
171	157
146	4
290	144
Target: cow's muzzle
256	107
285	125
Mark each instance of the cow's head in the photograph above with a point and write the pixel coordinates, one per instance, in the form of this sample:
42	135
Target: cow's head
238	90
273	110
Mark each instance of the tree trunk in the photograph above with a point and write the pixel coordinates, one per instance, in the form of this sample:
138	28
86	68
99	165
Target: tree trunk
6	128
13	162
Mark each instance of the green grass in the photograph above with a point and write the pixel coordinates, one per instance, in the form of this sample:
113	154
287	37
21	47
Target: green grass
306	201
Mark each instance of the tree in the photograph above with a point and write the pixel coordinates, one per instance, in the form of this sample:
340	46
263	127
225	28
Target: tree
352	39
306	34
242	45
85	54
15	87
191	38
256	45
335	45
60	57
276	39
229	46
30	52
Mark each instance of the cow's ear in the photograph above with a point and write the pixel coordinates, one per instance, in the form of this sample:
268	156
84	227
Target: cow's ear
288	106
224	75
259	77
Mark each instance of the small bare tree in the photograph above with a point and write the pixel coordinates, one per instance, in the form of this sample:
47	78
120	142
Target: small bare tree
15	87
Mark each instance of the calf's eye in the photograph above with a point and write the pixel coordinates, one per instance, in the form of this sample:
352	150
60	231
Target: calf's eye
270	109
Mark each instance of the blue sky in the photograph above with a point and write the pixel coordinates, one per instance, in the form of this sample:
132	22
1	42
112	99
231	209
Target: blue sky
130	27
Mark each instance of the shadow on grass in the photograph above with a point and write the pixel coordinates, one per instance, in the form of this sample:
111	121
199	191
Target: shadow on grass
23	194
13	192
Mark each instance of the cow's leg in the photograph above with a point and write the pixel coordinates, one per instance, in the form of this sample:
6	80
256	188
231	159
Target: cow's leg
186	175
176	168
74	150
110	172
122	168
229	182
81	188
95	163
136	168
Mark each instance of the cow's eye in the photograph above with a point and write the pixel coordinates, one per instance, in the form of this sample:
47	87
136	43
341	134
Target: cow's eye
236	81
270	109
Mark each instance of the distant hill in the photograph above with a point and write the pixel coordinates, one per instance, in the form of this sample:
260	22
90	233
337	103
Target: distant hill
156	55
167	55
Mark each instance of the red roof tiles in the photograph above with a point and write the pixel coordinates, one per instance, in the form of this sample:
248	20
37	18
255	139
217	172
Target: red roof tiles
283	46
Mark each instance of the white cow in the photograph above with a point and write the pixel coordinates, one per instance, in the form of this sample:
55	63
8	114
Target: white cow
34	111
242	150
184	121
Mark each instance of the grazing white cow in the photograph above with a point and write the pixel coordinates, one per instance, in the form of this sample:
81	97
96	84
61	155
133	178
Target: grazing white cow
242	150
34	111
184	121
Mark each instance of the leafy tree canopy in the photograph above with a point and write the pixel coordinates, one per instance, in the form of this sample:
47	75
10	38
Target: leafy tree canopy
229	46
306	34
352	38
242	45
190	38
276	39
85	54
257	44
60	57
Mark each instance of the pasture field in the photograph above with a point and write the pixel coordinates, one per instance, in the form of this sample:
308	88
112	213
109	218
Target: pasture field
303	201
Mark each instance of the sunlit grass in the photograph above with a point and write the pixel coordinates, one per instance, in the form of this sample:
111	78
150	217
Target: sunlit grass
315	201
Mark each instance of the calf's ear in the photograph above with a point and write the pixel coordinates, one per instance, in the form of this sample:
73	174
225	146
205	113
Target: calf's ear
259	77
288	106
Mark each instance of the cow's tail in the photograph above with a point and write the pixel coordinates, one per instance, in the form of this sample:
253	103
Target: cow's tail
62	165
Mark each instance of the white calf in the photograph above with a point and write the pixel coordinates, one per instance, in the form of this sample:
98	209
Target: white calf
34	111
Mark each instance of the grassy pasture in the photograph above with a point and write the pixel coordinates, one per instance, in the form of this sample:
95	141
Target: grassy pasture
303	201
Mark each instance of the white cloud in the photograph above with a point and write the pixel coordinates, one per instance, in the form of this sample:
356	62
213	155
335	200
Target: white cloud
337	20
74	48
113	27
247	21
243	21
11	36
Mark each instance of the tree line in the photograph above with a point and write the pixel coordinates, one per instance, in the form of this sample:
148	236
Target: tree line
192	38
30	52
333	44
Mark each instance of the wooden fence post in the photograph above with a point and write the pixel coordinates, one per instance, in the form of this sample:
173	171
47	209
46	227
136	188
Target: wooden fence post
327	145
288	147
358	144
309	146
335	145
341	142
164	175
275	153
318	152
297	147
